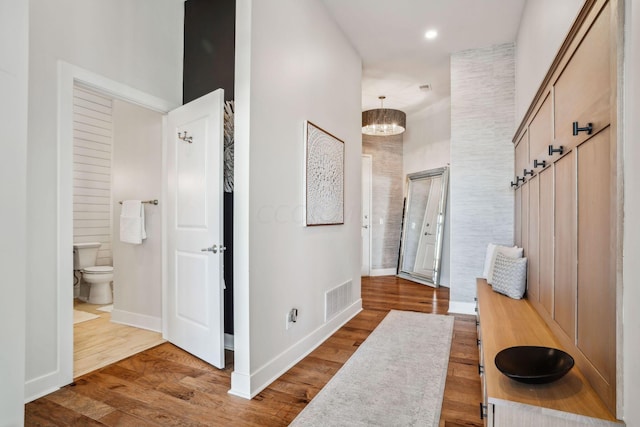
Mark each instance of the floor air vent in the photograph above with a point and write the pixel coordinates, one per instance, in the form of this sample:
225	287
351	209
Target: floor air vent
337	299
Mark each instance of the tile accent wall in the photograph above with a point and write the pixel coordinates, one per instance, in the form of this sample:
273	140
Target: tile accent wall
92	148
387	198
482	125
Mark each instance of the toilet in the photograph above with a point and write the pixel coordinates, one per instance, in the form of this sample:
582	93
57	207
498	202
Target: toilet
97	277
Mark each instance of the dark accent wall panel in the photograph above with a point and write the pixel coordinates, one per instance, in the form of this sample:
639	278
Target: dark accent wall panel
228	263
209	55
209	48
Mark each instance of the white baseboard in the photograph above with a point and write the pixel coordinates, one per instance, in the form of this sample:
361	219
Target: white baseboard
382	272
41	386
462	307
239	383
228	342
137	320
280	364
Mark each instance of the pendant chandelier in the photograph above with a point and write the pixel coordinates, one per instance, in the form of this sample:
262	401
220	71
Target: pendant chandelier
383	121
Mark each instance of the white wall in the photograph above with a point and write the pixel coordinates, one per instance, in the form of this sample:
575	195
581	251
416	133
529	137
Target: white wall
543	26
293	64
137	43
427	145
14	44
631	267
137	174
482	125
427	140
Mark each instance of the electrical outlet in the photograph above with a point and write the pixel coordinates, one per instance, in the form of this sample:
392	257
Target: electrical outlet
287	321
291	318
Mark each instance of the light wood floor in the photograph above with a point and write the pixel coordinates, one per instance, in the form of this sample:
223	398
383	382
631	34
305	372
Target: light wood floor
100	342
164	386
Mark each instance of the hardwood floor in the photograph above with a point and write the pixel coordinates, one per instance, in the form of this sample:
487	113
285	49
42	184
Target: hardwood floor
100	342
165	386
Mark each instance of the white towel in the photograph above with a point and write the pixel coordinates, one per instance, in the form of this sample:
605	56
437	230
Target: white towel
132	222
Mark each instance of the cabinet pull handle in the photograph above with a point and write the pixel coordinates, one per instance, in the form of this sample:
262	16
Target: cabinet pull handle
479	341
514	184
559	150
483	411
480	369
519	178
588	129
526	172
536	163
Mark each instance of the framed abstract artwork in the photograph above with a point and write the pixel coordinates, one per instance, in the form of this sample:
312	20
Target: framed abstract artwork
324	182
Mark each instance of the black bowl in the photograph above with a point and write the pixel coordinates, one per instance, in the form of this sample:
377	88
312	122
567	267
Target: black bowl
534	365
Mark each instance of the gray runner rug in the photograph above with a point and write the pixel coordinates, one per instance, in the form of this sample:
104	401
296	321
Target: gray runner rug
395	378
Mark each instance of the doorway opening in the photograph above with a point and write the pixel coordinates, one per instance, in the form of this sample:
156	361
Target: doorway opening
117	156
367	160
69	77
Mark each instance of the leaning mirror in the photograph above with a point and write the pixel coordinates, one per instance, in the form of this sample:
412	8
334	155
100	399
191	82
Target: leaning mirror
423	226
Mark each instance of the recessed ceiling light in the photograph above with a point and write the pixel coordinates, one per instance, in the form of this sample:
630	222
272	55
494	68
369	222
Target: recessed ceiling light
431	34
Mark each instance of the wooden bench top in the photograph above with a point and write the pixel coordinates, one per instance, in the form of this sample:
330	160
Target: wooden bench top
505	322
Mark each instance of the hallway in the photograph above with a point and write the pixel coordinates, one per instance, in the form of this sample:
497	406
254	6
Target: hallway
166	386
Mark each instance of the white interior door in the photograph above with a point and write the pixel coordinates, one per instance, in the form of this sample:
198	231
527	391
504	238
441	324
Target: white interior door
193	304
425	258
366	214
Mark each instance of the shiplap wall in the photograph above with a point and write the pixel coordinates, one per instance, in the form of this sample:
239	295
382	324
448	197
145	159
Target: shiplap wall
92	147
386	198
482	124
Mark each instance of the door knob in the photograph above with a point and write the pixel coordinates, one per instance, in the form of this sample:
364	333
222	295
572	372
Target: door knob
213	249
222	248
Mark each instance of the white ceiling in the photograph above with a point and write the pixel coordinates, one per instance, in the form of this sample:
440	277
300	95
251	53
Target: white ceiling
397	58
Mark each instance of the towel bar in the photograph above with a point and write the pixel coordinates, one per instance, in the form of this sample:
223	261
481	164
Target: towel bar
151	202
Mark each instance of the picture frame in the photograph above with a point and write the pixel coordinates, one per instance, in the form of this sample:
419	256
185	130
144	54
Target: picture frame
324	177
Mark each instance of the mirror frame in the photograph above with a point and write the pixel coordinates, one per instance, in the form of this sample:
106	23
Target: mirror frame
435	279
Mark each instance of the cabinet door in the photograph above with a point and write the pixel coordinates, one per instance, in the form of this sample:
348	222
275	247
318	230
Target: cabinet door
564	297
522	155
517	221
597	255
525	218
546	240
533	290
582	91
541	132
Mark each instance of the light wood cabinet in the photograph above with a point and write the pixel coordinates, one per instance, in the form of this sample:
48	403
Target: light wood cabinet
596	266
533	253
541	133
566	214
545	242
583	89
522	156
570	401
518	217
525	218
564	290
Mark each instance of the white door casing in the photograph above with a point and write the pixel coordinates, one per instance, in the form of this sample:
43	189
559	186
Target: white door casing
426	255
193	305
366	214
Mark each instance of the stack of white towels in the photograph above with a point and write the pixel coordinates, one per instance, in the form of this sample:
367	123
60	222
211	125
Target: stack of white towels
132	222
